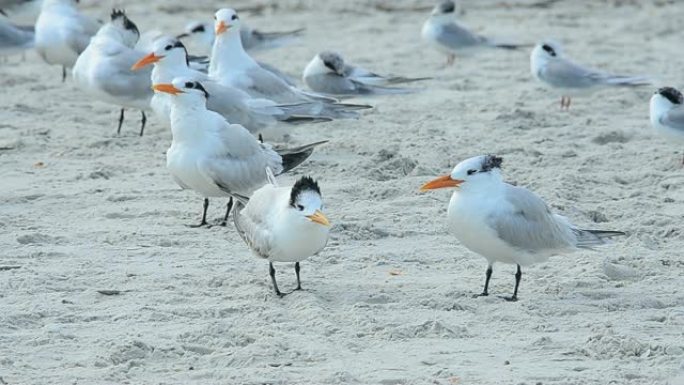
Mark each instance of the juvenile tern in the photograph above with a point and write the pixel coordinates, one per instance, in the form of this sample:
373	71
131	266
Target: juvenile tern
213	157
443	32
505	223
170	60
104	68
667	113
549	64
283	224
62	33
14	38
232	66
328	73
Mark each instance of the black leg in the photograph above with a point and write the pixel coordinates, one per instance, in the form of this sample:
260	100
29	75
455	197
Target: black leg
121	117
271	272
488	276
518	276
261	138
63	74
229	206
299	283
144	120
204	214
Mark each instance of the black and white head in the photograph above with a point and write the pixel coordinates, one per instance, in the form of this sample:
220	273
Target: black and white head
306	200
671	94
199	32
332	61
128	29
547	50
226	21
171	50
477	169
183	87
446	8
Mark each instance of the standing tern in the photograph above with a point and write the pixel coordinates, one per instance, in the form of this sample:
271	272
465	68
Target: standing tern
62	33
667	113
213	157
549	65
232	66
283	224
328	73
104	68
505	223
443	32
170	60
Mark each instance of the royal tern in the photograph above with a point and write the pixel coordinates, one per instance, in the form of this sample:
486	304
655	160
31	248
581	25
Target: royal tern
505	223
328	73
667	113
232	66
170	60
443	32
104	68
202	35
213	157
14	38
62	33
549	65
283	224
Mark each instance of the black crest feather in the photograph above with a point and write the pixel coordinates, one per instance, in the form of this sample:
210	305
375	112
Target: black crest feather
491	162
127	23
304	183
672	94
117	13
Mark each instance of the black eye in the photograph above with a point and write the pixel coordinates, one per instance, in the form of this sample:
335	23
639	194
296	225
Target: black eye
189	85
471	171
300	207
168	47
199	28
234	17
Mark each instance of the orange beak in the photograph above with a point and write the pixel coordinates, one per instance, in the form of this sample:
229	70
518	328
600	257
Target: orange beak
149	59
168	88
441	182
221	28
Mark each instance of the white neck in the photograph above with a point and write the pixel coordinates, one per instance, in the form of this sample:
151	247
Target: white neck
228	55
187	115
168	68
659	105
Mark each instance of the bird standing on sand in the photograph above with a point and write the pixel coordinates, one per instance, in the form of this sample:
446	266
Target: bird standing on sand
213	157
283	224
667	113
505	223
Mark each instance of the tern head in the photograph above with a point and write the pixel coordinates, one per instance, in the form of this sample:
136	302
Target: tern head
672	95
306	201
166	48
444	10
129	31
547	50
472	170
226	21
664	100
198	31
183	87
332	61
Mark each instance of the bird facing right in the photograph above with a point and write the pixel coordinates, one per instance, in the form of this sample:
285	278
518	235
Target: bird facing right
505	223
667	113
283	224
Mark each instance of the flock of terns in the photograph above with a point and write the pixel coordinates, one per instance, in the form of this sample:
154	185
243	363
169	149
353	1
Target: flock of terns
217	107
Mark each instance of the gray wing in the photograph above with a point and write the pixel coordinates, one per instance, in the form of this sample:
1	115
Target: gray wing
252	230
531	226
13	37
121	81
333	84
81	29
455	36
566	74
280	74
674	119
232	104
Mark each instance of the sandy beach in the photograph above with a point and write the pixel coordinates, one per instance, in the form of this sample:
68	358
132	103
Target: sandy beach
102	282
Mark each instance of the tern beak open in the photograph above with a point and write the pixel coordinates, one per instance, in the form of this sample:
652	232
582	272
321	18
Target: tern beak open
149	59
167	87
441	182
221	28
319	218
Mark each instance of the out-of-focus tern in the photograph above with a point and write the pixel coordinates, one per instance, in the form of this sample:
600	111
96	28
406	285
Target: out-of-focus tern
549	65
14	38
283	224
62	33
232	66
171	61
213	157
505	223
202	35
443	32
667	113
328	73
104	68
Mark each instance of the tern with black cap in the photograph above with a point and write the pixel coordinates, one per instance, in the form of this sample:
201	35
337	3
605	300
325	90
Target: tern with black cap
667	113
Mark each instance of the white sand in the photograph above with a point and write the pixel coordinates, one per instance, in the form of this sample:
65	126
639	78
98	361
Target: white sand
197	307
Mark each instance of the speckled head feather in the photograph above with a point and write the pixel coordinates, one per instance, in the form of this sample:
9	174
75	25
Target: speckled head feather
671	94
304	183
332	60
447	6
491	162
127	23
